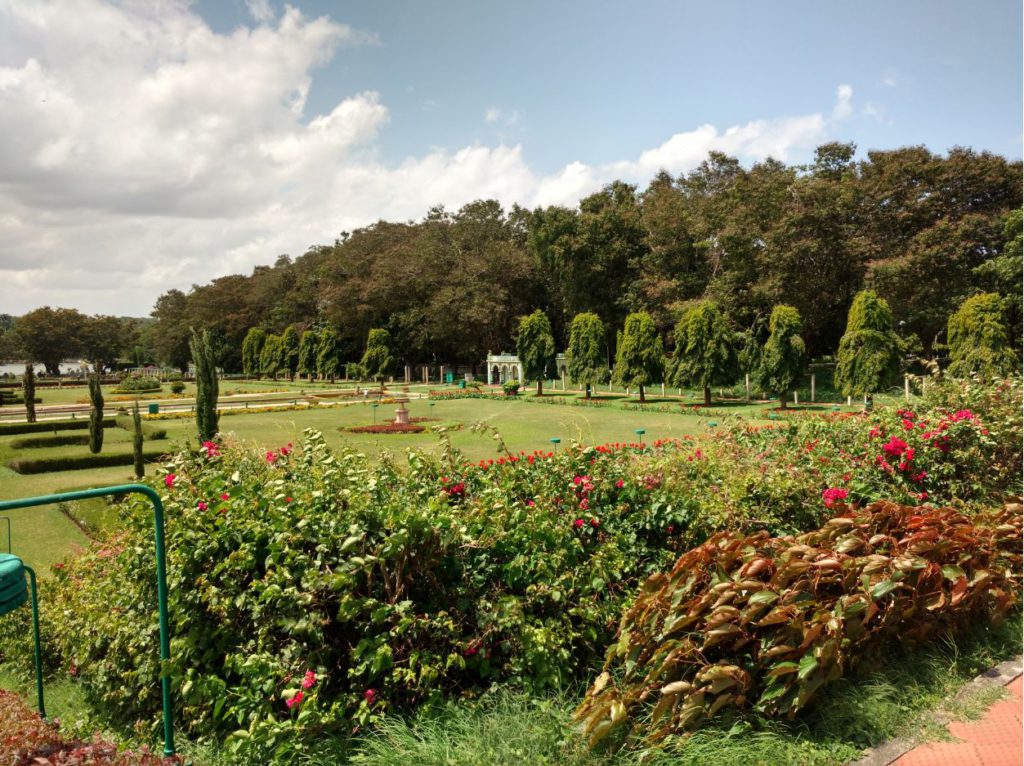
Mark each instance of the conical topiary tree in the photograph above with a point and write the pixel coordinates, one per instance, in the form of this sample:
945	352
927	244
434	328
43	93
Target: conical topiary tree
270	356
585	357
95	413
327	355
535	347
28	388
705	349
978	339
640	359
290	351
377	360
308	347
206	385
784	356
870	352
137	459
252	347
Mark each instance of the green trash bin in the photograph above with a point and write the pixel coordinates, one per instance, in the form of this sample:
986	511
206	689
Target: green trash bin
449	378
154	409
462	383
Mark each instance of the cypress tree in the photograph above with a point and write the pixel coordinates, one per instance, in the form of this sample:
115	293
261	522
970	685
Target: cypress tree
870	351
206	385
784	356
327	361
290	351
978	339
585	355
140	468
96	413
252	347
270	356
308	347
28	386
705	349
535	347
640	359
377	360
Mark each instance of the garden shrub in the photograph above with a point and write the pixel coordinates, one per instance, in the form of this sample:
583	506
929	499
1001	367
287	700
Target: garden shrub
23	465
766	622
511	388
40	442
135	384
387	428
177	387
150	432
53	426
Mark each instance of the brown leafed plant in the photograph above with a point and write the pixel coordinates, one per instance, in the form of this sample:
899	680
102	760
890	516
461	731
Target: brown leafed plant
764	623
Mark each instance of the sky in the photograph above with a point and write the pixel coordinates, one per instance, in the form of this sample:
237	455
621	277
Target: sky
156	144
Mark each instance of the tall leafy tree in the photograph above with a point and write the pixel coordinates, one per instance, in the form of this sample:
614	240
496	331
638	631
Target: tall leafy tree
328	361
252	348
585	356
49	336
978	341
535	347
95	413
870	351
308	347
640	360
172	329
784	356
104	339
378	359
705	349
205	361
137	457
28	389
270	356
290	351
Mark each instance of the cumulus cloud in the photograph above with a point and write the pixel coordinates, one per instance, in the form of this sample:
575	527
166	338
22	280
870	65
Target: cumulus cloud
144	151
844	105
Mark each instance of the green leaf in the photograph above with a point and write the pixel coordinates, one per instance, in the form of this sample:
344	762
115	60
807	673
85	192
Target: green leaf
953	573
883	589
808	664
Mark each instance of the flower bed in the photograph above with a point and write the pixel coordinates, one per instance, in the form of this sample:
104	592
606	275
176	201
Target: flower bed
387	428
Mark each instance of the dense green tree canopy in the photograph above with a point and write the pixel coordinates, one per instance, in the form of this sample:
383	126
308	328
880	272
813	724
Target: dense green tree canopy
641	356
784	356
252	348
705	349
870	351
49	336
290	351
536	348
378	360
978	343
585	356
328	361
308	347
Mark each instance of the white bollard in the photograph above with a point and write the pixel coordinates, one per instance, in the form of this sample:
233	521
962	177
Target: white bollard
906	387
812	388
849	401
662	389
796	398
746	382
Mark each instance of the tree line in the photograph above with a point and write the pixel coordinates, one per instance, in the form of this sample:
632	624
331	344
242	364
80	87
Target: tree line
924	231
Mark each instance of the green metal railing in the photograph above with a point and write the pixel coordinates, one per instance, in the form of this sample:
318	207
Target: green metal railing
161	580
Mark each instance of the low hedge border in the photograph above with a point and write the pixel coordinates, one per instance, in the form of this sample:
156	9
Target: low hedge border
149	433
51	426
25	466
38	442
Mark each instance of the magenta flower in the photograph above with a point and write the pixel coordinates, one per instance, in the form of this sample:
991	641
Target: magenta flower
297	699
202	506
620	484
271	457
309	680
578	523
224	495
832	495
169	480
370	695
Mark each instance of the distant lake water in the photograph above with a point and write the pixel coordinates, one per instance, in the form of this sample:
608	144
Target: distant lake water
18	369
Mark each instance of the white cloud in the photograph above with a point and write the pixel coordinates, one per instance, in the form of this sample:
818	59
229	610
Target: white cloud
144	151
843	107
260	10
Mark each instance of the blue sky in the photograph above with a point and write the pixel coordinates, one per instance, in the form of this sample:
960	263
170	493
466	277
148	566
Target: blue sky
157	144
599	81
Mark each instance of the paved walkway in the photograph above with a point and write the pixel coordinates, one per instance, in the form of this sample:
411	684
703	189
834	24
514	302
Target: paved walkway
995	740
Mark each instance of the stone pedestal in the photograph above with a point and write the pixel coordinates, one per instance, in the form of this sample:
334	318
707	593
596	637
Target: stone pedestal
401	415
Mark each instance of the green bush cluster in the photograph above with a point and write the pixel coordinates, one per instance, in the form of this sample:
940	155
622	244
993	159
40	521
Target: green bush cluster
52	426
136	384
25	466
41	442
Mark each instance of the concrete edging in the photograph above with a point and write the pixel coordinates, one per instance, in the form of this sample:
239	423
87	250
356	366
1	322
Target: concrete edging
887	752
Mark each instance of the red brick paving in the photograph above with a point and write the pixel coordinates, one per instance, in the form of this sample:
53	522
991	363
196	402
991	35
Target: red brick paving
995	740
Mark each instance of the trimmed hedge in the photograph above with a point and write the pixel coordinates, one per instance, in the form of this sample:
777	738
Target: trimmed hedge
37	442
52	426
77	462
150	433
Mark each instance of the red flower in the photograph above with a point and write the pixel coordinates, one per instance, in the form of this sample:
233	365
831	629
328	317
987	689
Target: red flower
894	447
309	680
584	504
370	695
595	523
620	484
271	457
288	499
202	506
577	480
211	449
297	699
578	523
169	479
833	495
224	495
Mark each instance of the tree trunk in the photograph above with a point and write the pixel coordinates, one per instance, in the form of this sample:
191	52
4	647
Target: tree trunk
540	387
642	399
588	391
707	396
783	404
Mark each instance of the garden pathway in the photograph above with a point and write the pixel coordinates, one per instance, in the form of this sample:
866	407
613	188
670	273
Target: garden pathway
994	740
